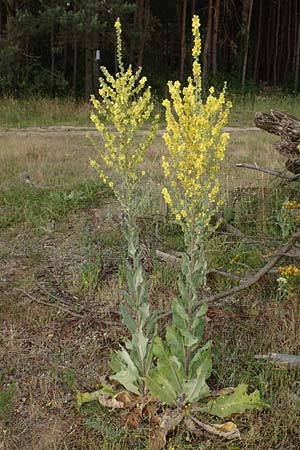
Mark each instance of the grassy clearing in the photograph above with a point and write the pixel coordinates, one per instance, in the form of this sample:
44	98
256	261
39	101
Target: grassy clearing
41	112
61	244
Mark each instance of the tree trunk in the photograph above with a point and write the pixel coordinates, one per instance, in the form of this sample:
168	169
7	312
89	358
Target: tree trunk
75	53
193	7
182	41
207	43
246	23
215	37
88	71
143	19
11	8
288	52
295	35
258	41
133	35
268	48
297	59
1	18
276	44
52	61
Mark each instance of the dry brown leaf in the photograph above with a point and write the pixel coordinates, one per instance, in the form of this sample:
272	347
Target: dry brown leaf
110	402
128	400
227	427
132	419
169	421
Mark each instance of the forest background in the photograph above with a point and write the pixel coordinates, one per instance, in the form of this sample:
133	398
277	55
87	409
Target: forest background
48	47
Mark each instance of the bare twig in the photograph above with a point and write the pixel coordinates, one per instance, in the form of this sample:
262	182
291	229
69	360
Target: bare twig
282	360
54	305
275	173
261	273
235	434
176	260
247	282
167	257
66	310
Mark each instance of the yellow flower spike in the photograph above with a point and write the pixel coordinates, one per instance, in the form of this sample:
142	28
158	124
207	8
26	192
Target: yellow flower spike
125	105
196	145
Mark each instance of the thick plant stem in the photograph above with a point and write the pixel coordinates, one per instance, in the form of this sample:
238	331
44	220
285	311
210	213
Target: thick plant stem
195	253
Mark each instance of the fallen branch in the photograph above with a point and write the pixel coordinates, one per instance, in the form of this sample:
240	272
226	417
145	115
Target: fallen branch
171	258
261	273
282	360
53	305
62	308
246	283
235	434
275	173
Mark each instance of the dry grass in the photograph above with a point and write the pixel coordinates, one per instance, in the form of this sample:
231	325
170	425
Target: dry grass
47	355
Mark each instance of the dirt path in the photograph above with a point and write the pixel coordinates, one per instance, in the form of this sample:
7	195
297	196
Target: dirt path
63	130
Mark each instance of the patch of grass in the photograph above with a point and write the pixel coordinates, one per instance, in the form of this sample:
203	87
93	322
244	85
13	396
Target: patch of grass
6	395
37	112
245	107
40	207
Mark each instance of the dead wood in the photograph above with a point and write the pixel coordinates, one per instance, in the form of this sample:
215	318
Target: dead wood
288	128
274	173
248	282
282	360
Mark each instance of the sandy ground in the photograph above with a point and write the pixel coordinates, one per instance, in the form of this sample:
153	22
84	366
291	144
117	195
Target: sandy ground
84	130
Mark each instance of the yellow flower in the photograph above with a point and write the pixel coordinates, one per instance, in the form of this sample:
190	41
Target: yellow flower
124	108
196	145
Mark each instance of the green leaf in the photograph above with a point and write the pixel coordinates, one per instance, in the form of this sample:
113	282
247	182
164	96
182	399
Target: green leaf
128	376
159	348
125	377
182	288
151	326
138	277
143	295
129	279
237	402
128	319
189	339
161	390
201	360
115	362
144	312
176	343
170	372
128	298
140	342
195	389
185	265
86	397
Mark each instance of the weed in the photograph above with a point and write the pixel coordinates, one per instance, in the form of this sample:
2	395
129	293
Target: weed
6	396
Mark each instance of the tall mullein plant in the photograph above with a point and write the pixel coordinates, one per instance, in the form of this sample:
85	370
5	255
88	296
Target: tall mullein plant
196	145
124	108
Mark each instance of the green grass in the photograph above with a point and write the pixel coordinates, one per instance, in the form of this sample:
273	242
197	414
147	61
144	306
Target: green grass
39	207
41	112
245	107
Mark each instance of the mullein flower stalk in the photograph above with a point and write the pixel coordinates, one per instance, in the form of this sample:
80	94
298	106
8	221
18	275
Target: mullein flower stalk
125	105
196	144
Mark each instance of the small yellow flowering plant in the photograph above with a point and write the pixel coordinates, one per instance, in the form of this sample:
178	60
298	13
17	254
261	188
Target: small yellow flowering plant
125	105
196	144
